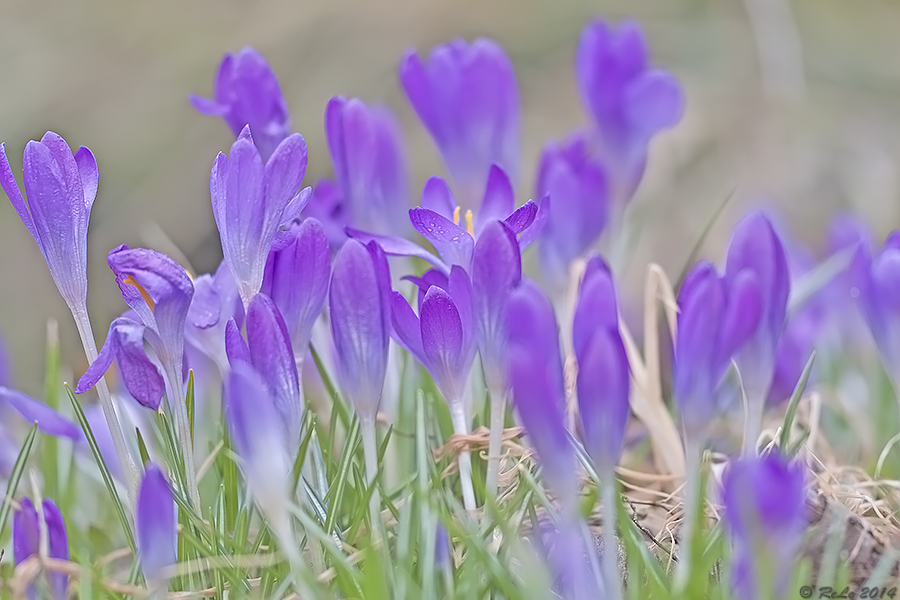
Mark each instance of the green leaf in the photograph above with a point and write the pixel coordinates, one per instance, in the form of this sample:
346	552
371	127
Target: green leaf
785	437
142	447
336	493
16	475
189	399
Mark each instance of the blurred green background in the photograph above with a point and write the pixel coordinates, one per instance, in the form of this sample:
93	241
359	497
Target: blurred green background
808	126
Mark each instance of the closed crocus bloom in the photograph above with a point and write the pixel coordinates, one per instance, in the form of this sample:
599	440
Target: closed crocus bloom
466	96
27	541
577	185
766	516
60	189
369	164
603	373
156	520
247	93
252	199
453	234
629	101
296	278
359	303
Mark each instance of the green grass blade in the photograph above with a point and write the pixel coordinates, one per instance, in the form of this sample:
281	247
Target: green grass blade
189	399
16	475
785	437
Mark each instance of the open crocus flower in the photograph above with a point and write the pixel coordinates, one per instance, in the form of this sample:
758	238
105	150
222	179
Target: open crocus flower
466	96
766	516
60	188
628	101
453	234
156	526
247	93
369	164
577	184
26	534
251	200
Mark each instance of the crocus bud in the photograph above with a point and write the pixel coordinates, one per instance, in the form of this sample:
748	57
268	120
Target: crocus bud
628	101
156	520
247	93
296	279
756	248
60	188
252	199
765	515
27	541
369	164
715	318
359	302
603	372
466	96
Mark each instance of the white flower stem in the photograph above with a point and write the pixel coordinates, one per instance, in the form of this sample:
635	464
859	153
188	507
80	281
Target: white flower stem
129	465
370	452
691	495
495	439
754	408
461	427
613	584
178	402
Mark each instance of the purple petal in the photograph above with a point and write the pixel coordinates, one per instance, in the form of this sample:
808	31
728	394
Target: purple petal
235	346
11	187
596	307
453	243
743	313
32	411
654	102
26	531
406	329
205	305
89	174
443	341
397	246
533	231
437	196
208	107
522	217
499	200
429	278
285	170
156	520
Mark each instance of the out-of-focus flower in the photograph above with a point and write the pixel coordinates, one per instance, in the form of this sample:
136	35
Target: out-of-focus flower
876	277
35	412
360	306
60	188
156	520
369	164
27	541
296	278
438	221
247	93
629	101
466	96
326	204
604	376
756	248
766	515
578	187
251	200
216	300
716	316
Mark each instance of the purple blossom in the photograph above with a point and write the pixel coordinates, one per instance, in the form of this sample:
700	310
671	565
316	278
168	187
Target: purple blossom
604	376
251	200
369	164
716	316
438	220
215	301
27	537
247	93
876	277
578	186
156	520
629	101
466	96
35	412
296	278
443	336
755	247
326	204
360	306
60	189
766	515
536	376
159	292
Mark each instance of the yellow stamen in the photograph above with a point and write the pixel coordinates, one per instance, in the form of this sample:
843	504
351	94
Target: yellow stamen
132	281
456	215
469	226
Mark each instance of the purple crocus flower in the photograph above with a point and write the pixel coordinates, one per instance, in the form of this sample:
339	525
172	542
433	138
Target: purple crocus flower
216	300
360	306
765	515
466	96
247	93
251	200
326	204
60	188
716	316
27	537
628	101
756	247
577	184
877	280
604	376
438	220
156	520
296	278
369	164
268	349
